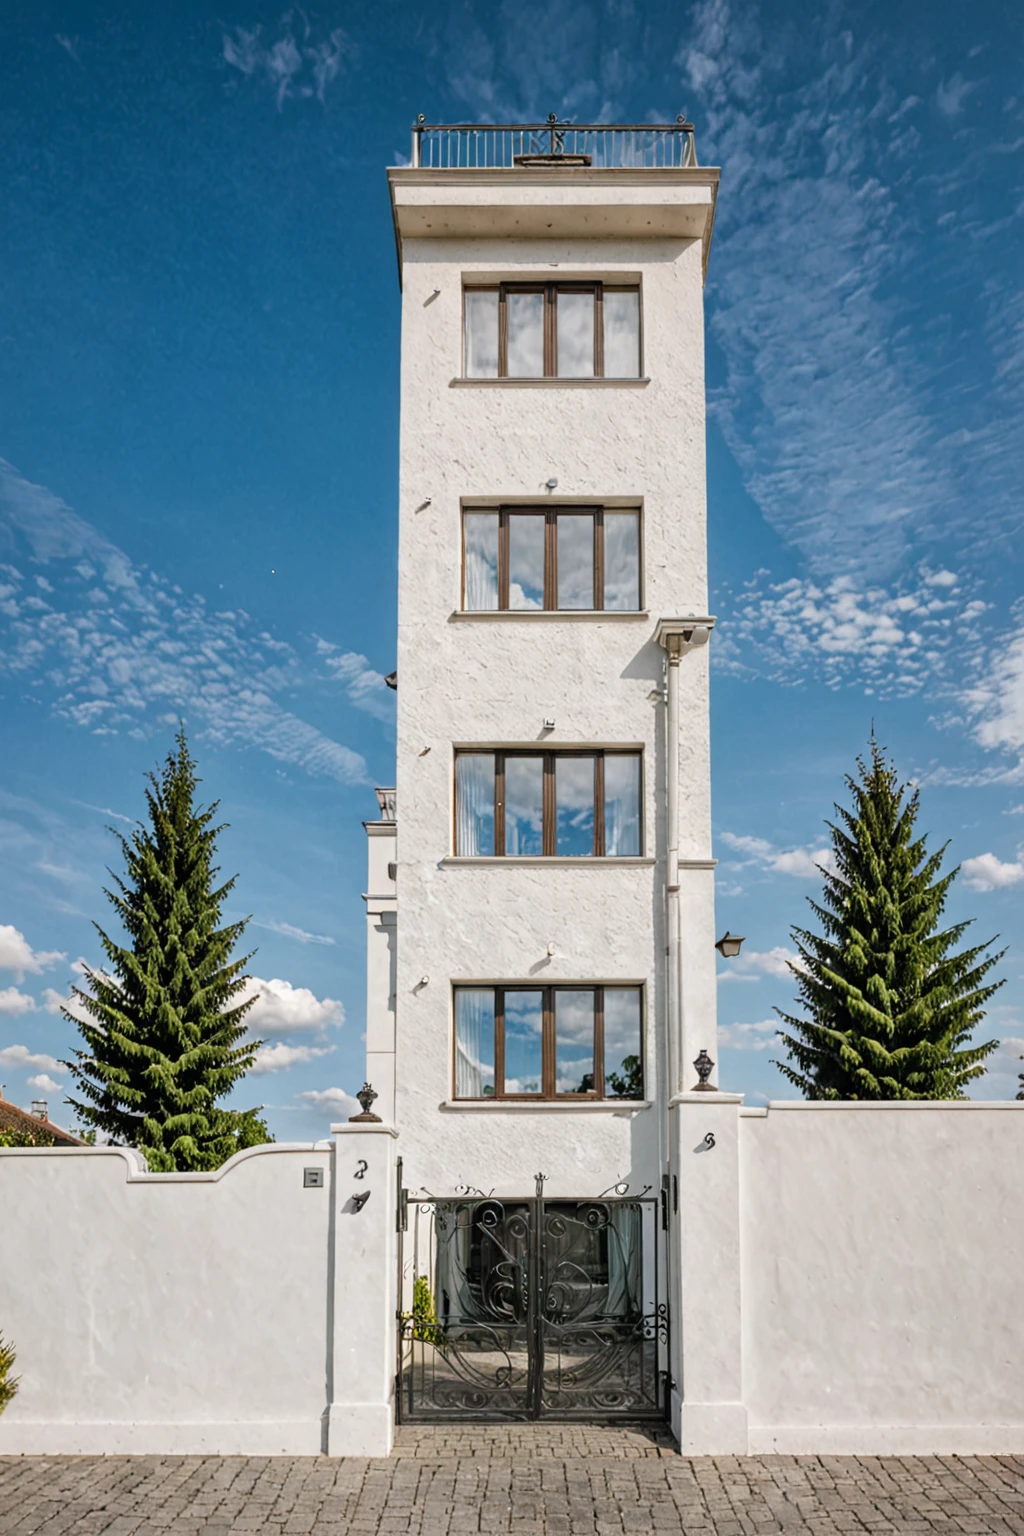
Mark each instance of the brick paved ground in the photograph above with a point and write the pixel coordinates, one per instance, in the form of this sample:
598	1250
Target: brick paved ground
521	1479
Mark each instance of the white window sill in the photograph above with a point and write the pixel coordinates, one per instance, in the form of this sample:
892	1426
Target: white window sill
461	383
549	615
577	861
545	1106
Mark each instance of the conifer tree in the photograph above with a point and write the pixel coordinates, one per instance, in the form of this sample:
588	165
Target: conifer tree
163	1025
890	1000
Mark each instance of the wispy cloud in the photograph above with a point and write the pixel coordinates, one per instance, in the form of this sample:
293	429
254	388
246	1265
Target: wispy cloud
802	863
892	640
301	62
45	1083
335	1103
279	1057
289	931
365	688
748	1037
862	425
752	965
116	648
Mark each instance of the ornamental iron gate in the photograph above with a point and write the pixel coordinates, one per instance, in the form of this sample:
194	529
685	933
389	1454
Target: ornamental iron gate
529	1308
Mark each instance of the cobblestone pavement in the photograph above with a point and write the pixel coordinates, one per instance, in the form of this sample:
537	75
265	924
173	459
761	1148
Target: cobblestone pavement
553	1479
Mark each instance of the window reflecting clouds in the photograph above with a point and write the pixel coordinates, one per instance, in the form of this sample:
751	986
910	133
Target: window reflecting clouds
574	1041
621	333
525	335
481	333
623	1050
574	805
575	357
622	561
524	806
526	562
621	804
575	561
524	1025
481	557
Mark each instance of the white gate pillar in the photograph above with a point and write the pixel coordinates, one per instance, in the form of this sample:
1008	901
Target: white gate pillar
708	1412
362	1342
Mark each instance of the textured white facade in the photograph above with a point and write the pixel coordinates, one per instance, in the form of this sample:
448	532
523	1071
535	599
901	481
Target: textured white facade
235	1313
493	679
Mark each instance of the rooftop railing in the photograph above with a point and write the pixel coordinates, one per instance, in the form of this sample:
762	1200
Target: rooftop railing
602	146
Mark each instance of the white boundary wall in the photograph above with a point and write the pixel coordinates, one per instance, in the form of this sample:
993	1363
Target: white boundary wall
229	1313
852	1277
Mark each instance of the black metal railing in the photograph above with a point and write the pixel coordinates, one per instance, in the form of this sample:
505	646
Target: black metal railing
602	146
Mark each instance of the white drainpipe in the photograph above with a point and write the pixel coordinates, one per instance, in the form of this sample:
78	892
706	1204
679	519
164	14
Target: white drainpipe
677	636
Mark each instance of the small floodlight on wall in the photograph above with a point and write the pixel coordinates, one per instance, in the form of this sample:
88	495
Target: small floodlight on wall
551	484
728	945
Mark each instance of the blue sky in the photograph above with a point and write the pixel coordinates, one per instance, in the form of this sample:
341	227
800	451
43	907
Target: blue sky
198	428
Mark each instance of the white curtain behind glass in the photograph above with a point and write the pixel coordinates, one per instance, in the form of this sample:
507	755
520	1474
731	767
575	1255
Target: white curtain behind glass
474	1042
474	804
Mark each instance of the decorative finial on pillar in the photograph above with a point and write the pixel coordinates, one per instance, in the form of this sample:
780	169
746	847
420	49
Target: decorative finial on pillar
704	1066
366	1096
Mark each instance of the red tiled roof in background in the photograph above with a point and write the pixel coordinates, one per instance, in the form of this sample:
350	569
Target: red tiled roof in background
14	1119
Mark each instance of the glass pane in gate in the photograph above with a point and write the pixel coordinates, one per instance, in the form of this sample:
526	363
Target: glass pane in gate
600	1320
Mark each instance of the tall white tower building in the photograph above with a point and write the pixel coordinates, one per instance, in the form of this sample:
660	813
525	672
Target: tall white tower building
541	905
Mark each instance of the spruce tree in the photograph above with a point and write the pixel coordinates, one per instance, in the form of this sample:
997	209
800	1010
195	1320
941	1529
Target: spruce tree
163	1028
891	1001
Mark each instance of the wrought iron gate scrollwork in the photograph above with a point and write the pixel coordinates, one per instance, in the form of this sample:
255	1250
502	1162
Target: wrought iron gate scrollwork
532	1307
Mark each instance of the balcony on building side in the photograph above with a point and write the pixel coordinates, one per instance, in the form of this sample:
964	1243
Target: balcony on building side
553	181
554	145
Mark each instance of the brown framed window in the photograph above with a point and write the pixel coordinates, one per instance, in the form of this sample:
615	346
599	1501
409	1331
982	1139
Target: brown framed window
520	804
570	1042
552	331
525	559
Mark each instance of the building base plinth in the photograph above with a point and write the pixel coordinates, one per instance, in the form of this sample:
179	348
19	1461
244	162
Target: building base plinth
712	1429
298	1437
360	1429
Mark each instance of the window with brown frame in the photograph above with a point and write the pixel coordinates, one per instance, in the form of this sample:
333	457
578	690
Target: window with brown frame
568	1042
524	559
558	804
552	331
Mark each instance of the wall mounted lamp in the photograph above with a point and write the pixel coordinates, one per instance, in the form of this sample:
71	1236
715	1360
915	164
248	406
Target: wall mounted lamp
728	945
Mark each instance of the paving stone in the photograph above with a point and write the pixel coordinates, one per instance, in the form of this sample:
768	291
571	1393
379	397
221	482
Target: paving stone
520	1479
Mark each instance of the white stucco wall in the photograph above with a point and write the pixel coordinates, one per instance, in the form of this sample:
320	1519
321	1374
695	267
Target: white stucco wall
495	680
848	1278
237	1312
883	1276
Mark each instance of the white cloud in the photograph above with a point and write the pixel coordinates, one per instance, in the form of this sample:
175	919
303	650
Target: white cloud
21	1057
994	700
856	424
365	688
748	1037
892	640
988	873
281	1009
45	1084
17	955
277	1058
334	1102
289	931
117	648
951	94
803	863
297	64
751	964
13	1002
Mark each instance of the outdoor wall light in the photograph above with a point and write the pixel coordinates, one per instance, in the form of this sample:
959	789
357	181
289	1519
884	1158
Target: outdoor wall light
728	945
551	484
